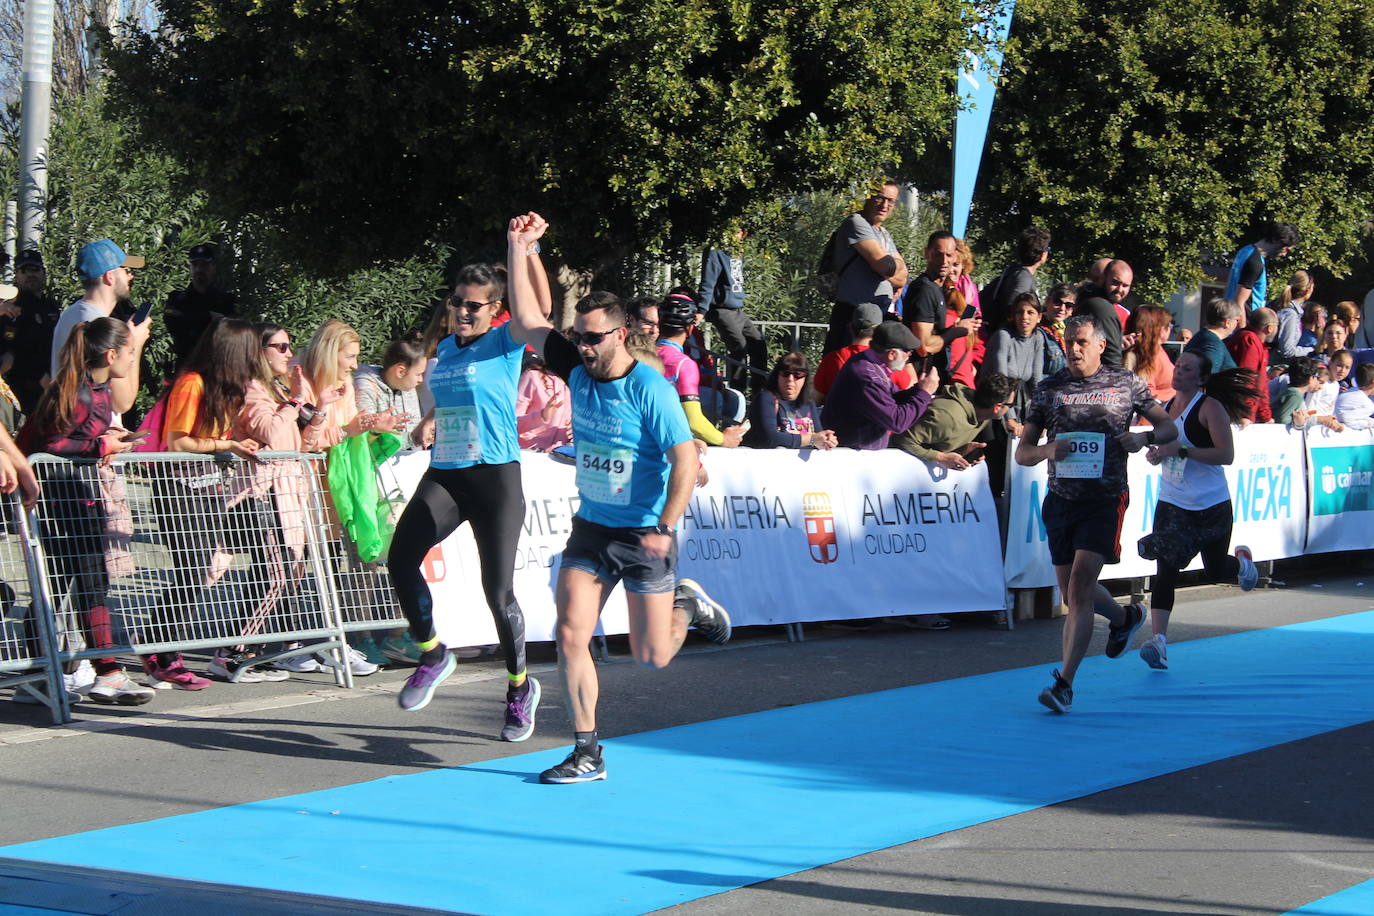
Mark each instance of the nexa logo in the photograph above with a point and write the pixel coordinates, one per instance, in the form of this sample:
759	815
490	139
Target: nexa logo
819	520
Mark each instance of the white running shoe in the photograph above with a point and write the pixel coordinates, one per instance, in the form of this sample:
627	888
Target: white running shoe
1155	653
357	662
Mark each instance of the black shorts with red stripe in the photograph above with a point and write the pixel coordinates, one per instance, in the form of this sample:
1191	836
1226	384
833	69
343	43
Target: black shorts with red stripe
1072	525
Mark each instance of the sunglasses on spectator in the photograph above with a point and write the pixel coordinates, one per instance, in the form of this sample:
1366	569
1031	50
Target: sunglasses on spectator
590	338
279	347
793	373
471	305
881	199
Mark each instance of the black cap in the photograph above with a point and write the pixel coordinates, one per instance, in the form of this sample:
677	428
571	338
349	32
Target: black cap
893	335
29	257
204	252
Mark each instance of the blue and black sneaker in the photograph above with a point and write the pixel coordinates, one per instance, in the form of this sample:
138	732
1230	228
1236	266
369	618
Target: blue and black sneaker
1119	636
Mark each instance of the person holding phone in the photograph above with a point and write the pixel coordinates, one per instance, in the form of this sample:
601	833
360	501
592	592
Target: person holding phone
75	419
107	276
925	311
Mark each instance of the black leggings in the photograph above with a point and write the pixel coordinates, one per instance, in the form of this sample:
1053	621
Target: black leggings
489	497
1216	562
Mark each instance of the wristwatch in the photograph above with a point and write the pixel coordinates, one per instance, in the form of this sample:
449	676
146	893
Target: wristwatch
1149	437
1183	451
664	529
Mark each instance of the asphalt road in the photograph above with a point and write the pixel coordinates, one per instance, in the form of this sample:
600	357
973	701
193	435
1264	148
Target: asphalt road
1260	833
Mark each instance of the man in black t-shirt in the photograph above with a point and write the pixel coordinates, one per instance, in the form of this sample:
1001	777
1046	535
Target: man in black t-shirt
27	332
923	307
1032	251
1102	303
190	311
1086	410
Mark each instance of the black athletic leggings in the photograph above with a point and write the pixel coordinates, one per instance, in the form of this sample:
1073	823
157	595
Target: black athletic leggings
491	499
1217	563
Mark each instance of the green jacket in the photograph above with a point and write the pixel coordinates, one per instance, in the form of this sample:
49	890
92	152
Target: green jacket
947	426
365	516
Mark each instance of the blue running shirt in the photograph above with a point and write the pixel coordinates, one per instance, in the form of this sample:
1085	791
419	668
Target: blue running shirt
474	400
622	430
1249	270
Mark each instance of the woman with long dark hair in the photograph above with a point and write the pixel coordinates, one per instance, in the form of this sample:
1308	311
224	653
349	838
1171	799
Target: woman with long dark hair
784	415
1194	511
195	502
74	419
473	477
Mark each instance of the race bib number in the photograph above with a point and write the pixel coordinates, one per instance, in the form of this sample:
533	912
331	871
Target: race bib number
1087	452
456	435
603	474
1172	469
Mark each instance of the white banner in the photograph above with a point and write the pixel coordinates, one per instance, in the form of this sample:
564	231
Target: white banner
1268	495
777	536
1341	471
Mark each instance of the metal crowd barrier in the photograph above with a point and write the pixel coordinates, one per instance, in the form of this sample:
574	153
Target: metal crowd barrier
187	552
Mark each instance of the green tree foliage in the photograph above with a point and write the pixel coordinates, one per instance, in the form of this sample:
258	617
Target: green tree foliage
104	183
366	129
1167	131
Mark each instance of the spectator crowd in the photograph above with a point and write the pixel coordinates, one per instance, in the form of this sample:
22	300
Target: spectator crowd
916	357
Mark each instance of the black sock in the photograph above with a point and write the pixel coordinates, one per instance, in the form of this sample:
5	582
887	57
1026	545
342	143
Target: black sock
520	689
433	656
586	741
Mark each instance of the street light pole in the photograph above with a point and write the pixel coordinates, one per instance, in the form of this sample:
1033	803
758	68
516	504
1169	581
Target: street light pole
36	105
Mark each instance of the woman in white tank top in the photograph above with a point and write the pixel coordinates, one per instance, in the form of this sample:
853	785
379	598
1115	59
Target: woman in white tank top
1194	512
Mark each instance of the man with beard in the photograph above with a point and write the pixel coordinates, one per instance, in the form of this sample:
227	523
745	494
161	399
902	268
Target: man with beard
1102	303
636	467
107	275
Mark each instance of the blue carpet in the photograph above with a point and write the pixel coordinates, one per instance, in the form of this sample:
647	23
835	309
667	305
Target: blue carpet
696	810
1353	901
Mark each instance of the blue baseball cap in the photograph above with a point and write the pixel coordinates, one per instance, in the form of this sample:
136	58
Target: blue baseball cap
100	257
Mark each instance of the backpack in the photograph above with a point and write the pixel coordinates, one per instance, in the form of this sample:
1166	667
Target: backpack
828	279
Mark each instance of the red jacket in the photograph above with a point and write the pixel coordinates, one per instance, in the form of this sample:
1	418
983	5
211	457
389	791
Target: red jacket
1248	350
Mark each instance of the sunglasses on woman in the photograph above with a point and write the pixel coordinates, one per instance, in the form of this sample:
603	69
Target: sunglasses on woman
282	348
793	373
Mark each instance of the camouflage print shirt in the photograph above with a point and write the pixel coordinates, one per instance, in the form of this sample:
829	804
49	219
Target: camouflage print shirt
1100	405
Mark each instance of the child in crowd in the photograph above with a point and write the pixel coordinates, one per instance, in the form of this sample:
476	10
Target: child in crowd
393	386
74	419
543	412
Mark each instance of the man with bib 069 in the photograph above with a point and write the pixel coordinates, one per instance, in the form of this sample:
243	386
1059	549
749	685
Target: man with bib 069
1086	410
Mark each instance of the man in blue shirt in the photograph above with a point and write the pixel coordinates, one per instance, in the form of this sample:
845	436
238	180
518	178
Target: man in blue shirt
1249	280
636	467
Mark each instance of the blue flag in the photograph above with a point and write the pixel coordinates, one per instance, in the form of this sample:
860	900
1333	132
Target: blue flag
971	123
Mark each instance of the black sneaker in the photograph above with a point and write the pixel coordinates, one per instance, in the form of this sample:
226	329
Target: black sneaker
707	617
1119	637
580	766
1059	695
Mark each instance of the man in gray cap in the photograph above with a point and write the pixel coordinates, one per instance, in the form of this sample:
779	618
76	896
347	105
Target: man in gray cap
193	309
865	407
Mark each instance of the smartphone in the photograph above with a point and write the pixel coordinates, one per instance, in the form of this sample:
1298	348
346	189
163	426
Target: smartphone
135	437
142	314
970	312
